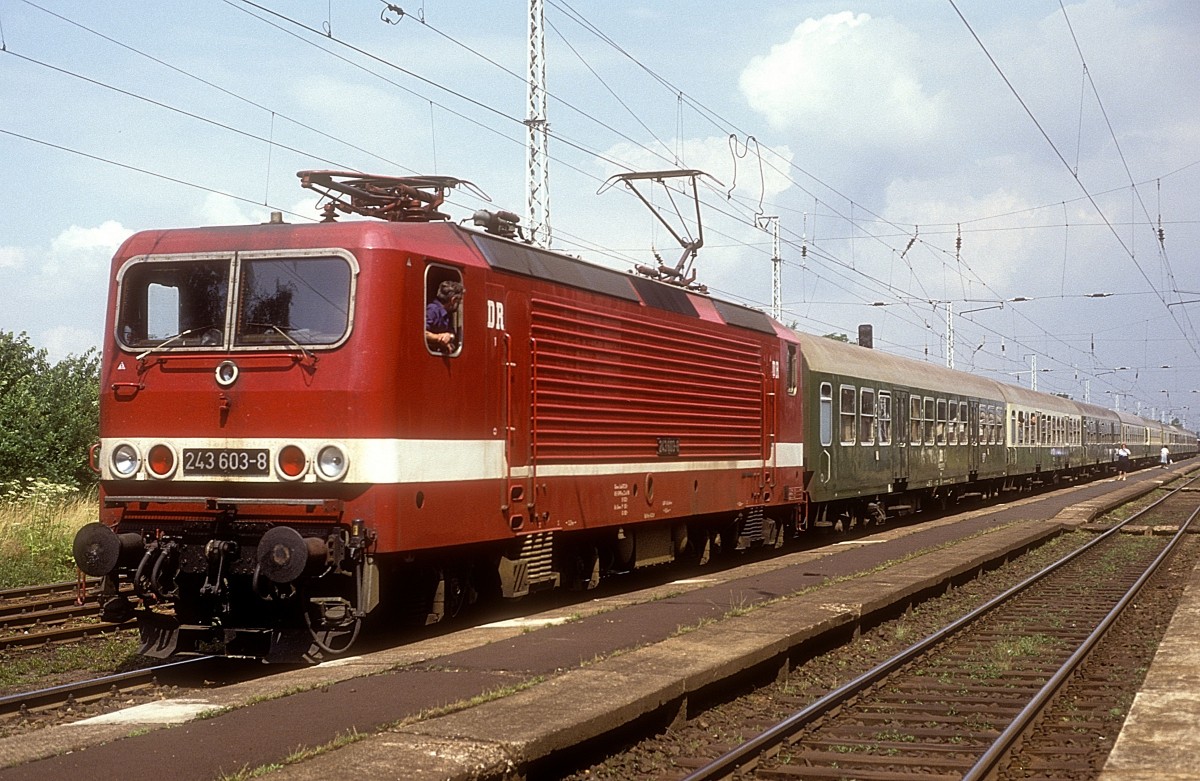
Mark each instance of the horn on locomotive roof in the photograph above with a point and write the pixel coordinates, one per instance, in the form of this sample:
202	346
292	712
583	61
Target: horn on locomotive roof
391	198
682	273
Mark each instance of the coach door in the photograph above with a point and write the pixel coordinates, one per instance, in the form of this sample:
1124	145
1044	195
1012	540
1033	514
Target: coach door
900	437
973	437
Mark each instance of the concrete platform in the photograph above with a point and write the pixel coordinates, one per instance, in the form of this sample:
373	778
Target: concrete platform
486	702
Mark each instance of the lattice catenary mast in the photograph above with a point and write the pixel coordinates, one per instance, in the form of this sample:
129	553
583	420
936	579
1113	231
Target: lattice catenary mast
537	156
771	223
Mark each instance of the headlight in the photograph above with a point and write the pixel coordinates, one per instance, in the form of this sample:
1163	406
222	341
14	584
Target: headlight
226	373
331	462
125	460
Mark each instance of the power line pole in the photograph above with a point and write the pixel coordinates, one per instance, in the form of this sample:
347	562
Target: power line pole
762	222
949	334
537	156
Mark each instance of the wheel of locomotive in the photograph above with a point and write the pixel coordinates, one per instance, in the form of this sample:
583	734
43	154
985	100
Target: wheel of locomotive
451	593
725	540
584	567
692	546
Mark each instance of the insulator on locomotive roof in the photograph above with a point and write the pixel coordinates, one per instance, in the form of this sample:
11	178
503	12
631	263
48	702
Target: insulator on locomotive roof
500	222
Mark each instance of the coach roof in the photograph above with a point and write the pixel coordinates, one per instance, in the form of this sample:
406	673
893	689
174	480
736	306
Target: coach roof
853	362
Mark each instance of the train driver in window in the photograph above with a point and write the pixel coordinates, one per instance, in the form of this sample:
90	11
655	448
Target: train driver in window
440	334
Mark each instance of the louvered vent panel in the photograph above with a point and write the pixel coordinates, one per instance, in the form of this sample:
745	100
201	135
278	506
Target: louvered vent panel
608	387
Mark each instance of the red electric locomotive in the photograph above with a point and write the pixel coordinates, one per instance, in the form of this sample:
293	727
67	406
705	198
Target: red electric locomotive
296	428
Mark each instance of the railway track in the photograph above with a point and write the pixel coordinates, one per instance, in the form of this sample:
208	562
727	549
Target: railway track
51	613
954	705
28	703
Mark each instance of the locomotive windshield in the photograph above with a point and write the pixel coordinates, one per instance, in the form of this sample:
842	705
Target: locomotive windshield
282	300
180	303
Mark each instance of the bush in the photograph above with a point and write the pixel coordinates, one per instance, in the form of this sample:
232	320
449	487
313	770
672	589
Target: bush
49	414
38	521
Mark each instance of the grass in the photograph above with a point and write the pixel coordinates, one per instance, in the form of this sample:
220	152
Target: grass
38	521
41	667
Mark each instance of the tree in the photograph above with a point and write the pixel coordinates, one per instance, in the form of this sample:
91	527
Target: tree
49	413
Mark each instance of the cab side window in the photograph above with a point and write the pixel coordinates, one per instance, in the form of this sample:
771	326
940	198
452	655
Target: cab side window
444	293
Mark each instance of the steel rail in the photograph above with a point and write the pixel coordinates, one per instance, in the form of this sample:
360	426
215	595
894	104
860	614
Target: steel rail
62	634
30	592
749	751
44	698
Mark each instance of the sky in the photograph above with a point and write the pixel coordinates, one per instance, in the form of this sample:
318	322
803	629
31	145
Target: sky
1028	170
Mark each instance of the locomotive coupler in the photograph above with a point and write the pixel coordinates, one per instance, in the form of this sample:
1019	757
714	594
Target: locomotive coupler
360	539
216	552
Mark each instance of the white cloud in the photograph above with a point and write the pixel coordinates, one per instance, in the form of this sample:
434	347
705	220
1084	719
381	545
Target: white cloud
76	259
221	210
78	249
60	290
846	71
106	237
64	340
11	257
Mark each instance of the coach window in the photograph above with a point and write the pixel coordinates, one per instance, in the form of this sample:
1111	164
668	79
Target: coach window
884	410
444	293
793	373
866	416
964	422
941	421
826	414
929	420
952	428
847	414
914	420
